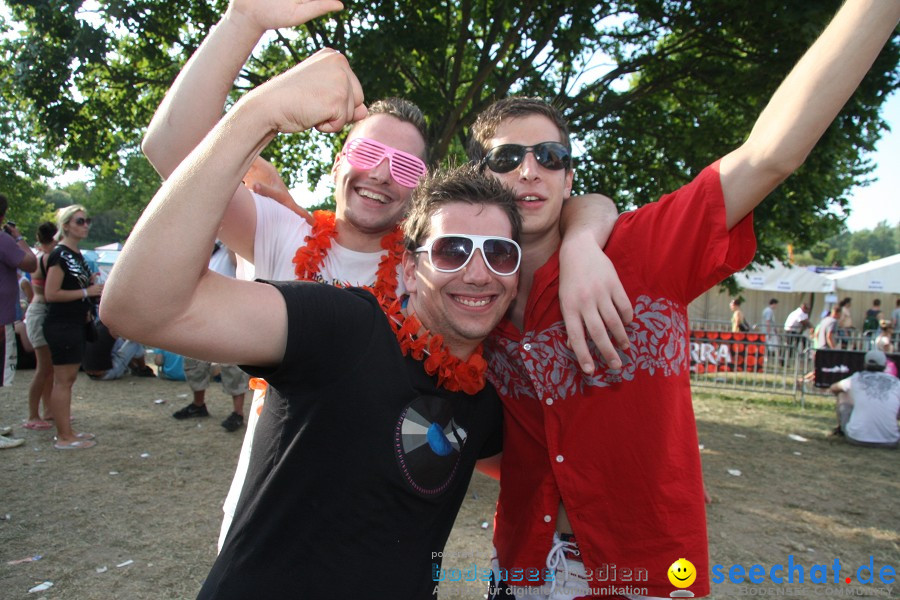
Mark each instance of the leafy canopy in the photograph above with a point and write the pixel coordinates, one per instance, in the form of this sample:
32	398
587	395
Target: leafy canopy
655	89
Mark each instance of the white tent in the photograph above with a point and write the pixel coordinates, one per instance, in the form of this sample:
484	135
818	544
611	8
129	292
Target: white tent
882	275
783	278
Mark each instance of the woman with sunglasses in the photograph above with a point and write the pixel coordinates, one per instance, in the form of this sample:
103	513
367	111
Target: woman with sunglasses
70	292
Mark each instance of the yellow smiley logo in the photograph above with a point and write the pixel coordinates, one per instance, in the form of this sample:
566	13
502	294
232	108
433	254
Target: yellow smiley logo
682	573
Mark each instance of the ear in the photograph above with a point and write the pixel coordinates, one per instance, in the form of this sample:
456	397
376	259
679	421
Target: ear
570	176
409	261
335	166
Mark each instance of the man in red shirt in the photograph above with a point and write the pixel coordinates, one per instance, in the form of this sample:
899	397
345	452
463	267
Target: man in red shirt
601	487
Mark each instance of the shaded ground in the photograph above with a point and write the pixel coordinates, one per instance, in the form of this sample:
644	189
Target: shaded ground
151	492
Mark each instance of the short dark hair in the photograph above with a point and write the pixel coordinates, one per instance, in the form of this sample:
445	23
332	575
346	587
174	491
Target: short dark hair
46	231
460	184
4	205
773	301
876	302
485	126
402	110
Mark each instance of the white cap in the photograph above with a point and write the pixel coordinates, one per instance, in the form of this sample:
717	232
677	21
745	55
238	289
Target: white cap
875	358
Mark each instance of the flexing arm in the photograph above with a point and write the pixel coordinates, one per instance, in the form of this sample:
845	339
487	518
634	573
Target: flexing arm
591	296
169	298
806	103
194	103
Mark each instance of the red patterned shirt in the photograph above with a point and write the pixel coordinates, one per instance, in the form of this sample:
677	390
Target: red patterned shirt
619	447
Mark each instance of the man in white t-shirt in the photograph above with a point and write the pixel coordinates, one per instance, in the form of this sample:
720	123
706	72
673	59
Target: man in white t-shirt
868	405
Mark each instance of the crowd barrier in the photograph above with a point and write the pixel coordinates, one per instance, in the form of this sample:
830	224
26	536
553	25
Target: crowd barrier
781	364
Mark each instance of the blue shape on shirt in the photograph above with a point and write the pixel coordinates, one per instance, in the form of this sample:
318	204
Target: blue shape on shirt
438	441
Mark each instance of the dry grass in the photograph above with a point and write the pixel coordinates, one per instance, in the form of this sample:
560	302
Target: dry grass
163	511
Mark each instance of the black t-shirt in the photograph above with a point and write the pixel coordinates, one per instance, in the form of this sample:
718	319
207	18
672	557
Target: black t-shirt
76	276
359	462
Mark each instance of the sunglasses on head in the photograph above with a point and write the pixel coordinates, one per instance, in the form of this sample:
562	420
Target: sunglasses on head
505	158
365	153
82	221
450	253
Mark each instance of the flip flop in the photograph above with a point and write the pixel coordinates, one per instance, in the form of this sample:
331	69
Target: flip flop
37	425
51	419
81	435
76	445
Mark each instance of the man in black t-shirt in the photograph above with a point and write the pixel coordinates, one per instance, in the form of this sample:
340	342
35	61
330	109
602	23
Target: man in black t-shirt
375	414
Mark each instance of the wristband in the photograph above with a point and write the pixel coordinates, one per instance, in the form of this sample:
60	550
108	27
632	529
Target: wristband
84	291
20	238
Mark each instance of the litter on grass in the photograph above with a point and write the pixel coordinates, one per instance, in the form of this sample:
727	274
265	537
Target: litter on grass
734	472
124	564
740	435
797	438
159	401
41	587
145	455
27	559
102	569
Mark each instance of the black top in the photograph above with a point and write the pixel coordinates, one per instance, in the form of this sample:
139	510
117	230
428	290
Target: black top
359	462
76	276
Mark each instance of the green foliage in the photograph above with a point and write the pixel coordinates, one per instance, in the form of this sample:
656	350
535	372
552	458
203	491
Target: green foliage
655	89
853	248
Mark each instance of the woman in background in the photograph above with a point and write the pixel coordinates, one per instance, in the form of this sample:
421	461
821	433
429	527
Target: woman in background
69	293
42	383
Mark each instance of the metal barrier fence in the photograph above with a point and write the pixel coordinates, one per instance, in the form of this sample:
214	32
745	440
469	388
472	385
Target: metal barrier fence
753	362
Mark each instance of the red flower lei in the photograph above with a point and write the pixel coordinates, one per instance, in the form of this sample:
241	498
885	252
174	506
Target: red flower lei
454	374
308	259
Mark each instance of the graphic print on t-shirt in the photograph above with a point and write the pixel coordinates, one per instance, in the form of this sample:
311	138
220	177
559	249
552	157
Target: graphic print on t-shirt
428	443
659	346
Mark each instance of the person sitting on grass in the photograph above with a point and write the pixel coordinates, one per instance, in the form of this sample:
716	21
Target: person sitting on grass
868	405
110	357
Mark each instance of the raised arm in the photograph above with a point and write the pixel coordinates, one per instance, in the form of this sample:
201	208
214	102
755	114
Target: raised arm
160	291
806	103
591	296
195	101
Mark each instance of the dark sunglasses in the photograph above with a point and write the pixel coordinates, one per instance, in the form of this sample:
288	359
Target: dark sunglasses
82	221
505	158
450	253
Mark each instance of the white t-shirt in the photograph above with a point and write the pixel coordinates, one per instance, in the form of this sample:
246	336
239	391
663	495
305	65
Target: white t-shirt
876	404
279	233
792	323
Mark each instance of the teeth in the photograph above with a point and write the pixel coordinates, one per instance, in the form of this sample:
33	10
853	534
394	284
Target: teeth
529	199
373	196
473	301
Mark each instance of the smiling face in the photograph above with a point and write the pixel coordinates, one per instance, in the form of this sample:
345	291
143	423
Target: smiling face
466	305
682	573
370	201
539	191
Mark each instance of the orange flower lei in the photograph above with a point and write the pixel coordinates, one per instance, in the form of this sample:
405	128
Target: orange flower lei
308	259
454	374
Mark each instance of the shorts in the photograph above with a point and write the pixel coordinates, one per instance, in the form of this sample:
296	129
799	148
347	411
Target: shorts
34	323
234	381
66	341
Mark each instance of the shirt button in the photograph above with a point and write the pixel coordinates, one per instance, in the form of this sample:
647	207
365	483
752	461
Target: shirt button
549	401
559	458
526	347
547	518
